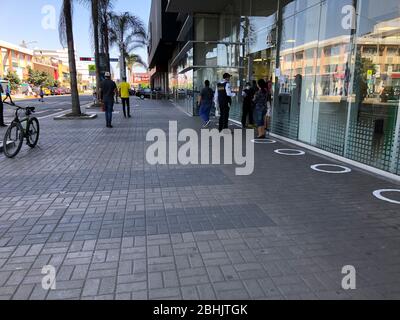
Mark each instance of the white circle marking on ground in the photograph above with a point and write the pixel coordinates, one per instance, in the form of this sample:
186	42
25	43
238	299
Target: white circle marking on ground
344	169
378	194
290	152
263	141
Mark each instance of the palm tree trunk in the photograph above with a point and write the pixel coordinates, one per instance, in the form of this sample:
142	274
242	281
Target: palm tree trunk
76	109
122	62
107	42
95	21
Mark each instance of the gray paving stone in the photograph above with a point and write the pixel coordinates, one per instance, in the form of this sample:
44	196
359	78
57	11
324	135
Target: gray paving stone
122	229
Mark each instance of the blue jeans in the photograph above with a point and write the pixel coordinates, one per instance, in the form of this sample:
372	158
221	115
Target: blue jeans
205	110
109	106
259	115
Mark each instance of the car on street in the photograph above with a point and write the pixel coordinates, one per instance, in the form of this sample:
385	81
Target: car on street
67	90
59	91
390	93
144	93
47	91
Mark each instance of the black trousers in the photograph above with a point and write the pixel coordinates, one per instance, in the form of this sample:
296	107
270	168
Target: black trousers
224	117
248	111
8	97
126	107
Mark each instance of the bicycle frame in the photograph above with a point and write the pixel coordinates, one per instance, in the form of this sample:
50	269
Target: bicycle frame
28	113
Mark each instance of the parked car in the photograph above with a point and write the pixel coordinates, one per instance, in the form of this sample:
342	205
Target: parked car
144	93
390	94
47	91
59	91
67	90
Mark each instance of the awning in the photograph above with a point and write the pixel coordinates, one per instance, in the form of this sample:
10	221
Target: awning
237	7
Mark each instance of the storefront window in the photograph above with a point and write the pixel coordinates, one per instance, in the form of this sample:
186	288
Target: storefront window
374	120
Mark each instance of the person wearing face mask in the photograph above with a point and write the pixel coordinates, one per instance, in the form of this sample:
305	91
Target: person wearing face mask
248	95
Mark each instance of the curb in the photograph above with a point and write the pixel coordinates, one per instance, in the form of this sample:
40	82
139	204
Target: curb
87	117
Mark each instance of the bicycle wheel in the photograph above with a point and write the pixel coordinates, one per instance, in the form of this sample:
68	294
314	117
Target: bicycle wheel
12	142
33	132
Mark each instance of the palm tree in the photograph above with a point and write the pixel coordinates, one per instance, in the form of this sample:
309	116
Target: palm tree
104	10
95	22
132	60
67	39
99	10
128	33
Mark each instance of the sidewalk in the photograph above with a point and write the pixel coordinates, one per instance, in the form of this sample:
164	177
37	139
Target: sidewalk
114	227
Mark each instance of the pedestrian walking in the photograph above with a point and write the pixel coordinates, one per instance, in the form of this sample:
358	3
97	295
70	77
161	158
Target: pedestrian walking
206	103
223	97
124	88
41	94
8	93
261	107
2	124
108	90
248	109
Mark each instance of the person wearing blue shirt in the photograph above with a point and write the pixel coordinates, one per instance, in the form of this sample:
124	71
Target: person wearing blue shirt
8	93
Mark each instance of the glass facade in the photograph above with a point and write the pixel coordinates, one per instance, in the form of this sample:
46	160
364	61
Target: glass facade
335	65
339	79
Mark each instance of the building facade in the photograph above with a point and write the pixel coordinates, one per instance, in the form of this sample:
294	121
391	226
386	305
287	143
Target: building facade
16	59
335	65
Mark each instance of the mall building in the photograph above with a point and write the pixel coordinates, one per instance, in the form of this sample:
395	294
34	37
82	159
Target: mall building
335	65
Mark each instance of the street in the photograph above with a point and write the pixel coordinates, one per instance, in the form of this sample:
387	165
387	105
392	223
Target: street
51	106
87	203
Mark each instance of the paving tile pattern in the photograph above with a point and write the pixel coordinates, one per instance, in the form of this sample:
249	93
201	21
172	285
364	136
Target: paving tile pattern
114	227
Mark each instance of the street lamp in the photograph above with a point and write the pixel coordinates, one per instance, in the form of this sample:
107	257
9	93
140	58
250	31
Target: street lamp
25	44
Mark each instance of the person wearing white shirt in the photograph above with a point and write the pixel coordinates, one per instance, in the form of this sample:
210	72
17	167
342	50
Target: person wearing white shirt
223	97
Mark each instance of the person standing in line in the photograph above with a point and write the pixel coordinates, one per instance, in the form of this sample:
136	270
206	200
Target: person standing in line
124	94
2	124
261	107
108	90
205	103
223	97
248	95
8	93
269	106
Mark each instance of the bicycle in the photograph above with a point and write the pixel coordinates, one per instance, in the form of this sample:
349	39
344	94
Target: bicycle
16	133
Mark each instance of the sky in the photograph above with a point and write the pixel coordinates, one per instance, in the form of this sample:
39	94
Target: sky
23	20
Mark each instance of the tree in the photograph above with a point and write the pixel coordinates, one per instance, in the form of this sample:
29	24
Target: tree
67	39
128	33
41	78
132	60
105	10
95	22
14	79
362	67
99	28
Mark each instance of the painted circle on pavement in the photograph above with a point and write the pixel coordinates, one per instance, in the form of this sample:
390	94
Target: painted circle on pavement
263	141
378	194
290	152
316	167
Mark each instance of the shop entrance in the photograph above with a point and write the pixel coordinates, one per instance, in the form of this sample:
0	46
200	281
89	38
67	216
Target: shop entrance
261	65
